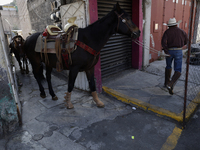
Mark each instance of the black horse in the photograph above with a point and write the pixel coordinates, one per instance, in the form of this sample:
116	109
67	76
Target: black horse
17	47
94	36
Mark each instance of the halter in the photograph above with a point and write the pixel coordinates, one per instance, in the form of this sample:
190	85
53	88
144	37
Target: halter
124	20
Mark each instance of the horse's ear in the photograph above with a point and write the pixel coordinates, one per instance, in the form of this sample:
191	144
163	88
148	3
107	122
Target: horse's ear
117	7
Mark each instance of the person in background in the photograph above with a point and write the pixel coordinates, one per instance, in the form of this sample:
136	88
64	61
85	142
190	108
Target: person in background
172	42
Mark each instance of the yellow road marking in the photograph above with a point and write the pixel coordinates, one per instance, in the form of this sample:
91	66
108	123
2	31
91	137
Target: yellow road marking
143	105
172	139
191	107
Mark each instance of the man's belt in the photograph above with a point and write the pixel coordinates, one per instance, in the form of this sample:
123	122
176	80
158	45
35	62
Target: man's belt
175	49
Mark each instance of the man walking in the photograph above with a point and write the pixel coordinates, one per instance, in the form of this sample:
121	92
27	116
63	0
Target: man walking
173	40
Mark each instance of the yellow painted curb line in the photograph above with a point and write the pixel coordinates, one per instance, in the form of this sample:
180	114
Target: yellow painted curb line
146	106
172	139
191	107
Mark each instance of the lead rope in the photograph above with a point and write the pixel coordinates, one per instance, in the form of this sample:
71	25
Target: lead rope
147	47
136	41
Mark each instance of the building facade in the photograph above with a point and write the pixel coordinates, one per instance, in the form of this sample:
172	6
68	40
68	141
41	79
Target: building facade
120	53
161	12
10	18
24	17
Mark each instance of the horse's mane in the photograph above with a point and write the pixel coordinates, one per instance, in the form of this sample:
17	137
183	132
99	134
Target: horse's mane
99	21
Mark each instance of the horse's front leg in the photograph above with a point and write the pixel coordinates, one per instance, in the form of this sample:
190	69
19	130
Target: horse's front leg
48	77
19	62
92	85
26	62
23	63
71	80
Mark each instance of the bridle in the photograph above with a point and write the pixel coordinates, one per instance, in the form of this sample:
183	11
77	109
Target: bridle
124	20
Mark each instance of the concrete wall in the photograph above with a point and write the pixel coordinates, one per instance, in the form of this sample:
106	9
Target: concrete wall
10	18
24	18
8	108
40	11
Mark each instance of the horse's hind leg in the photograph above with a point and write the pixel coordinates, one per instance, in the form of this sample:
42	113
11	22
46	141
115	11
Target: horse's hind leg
36	73
41	72
48	76
23	64
90	77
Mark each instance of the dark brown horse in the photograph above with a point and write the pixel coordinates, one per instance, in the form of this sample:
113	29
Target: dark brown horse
17	47
94	36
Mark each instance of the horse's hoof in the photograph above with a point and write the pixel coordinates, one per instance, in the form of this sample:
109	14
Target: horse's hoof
43	96
69	106
101	106
27	72
55	98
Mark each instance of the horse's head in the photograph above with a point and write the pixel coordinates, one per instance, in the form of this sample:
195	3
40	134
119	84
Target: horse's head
17	45
125	25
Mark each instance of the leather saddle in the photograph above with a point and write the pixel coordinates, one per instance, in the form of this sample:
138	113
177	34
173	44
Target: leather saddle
51	32
64	43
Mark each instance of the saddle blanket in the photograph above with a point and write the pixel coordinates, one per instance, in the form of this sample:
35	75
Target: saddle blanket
40	45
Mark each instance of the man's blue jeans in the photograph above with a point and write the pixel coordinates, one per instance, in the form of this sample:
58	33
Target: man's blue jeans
177	56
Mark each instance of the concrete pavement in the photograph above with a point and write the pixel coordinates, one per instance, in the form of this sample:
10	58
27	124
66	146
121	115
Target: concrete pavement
145	89
47	124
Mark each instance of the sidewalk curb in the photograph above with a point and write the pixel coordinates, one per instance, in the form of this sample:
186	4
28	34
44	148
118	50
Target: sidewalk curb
192	106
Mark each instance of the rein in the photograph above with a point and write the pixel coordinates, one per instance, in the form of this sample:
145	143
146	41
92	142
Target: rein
150	48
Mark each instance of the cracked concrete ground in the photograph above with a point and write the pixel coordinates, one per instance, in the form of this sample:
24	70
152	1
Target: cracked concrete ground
148	86
49	125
